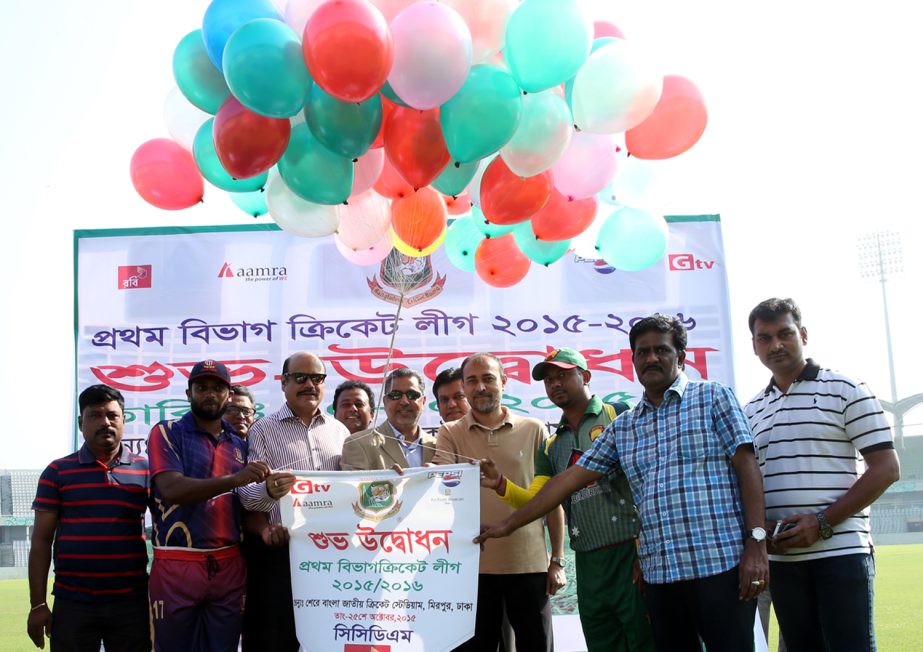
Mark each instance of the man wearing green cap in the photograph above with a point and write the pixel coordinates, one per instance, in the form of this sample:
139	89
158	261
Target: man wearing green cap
601	517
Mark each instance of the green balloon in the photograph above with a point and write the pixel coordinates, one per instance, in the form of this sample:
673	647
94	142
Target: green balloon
546	43
455	178
543	252
264	68
196	76
206	158
461	241
347	128
251	203
632	239
482	116
313	172
488	229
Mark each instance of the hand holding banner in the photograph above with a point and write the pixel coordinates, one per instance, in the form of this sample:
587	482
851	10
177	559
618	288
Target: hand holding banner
384	560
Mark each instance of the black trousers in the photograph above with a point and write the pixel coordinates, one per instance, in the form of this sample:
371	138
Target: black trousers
124	625
527	607
706	608
269	618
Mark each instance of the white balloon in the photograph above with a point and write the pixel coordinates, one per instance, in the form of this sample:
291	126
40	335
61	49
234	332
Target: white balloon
616	89
297	216
182	118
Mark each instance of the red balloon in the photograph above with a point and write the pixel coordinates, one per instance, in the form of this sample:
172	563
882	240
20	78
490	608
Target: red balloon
248	143
563	218
415	146
386	107
603	28
499	262
507	198
457	205
165	175
419	219
677	123
347	48
391	184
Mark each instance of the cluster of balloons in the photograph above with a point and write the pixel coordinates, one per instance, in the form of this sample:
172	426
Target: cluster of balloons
374	120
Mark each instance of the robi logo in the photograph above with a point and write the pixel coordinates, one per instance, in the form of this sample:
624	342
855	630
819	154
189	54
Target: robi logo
688	263
308	487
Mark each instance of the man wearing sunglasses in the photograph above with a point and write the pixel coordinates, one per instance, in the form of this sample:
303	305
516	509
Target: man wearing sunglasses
241	410
299	435
399	440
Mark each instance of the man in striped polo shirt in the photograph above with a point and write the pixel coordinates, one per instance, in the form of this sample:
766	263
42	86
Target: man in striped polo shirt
91	506
813	428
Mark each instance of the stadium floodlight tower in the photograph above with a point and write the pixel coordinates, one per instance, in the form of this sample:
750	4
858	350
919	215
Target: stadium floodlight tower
881	257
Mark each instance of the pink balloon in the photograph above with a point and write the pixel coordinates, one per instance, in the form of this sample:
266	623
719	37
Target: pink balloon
586	166
367	170
368	256
432	54
166	175
603	28
364	220
677	123
487	21
391	8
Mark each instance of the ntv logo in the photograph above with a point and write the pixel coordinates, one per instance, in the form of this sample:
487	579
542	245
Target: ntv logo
688	263
254	273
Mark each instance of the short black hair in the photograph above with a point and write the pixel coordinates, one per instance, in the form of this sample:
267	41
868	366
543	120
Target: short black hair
489	356
774	308
402	372
99	394
353	384
660	324
444	377
240	390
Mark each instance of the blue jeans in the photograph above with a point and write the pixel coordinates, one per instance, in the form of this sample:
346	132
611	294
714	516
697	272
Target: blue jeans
825	604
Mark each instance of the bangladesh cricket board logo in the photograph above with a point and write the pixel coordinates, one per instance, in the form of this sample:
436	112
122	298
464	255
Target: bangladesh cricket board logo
376	501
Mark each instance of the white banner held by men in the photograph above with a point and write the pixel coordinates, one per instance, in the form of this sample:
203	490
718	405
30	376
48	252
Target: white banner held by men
384	562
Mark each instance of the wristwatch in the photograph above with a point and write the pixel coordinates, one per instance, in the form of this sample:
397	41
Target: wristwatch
825	530
560	561
757	534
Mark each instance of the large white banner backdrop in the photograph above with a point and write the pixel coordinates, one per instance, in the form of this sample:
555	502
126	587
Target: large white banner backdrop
150	303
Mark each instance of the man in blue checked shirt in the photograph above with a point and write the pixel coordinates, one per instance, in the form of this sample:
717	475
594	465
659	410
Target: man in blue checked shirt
688	455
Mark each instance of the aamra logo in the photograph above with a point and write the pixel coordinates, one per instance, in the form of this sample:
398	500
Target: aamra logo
134	276
376	501
688	263
252	274
408	275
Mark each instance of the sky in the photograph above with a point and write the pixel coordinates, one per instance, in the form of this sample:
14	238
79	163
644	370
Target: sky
814	140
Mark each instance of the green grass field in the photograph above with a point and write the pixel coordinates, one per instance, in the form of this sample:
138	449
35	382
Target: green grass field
898	603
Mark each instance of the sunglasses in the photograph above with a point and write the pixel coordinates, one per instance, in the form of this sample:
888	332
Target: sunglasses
397	395
301	379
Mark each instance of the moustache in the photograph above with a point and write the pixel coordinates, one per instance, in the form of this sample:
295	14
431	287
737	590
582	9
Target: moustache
653	367
106	431
307	392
